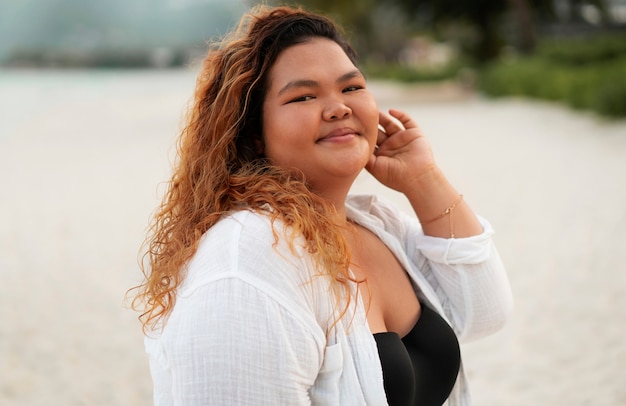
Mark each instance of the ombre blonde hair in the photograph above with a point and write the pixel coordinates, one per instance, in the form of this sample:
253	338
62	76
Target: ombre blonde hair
220	165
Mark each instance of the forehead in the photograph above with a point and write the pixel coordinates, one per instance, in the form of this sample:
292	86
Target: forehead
315	58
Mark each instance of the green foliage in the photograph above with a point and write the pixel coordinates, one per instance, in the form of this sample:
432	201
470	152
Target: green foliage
610	99
584	74
581	51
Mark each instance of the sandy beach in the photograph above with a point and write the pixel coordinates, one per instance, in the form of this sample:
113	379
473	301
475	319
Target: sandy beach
81	158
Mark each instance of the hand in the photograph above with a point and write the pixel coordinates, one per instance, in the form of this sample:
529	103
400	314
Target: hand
403	153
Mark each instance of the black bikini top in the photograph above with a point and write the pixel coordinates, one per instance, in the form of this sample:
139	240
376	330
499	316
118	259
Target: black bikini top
421	368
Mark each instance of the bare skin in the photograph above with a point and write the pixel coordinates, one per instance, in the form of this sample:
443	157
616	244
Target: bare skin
387	293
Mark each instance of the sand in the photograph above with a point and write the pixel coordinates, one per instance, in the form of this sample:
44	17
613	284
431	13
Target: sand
81	157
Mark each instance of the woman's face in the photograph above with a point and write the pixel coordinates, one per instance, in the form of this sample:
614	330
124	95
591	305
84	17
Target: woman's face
317	114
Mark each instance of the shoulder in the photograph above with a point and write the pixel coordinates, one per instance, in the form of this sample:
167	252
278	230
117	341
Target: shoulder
239	239
243	232
246	258
246	247
238	224
220	249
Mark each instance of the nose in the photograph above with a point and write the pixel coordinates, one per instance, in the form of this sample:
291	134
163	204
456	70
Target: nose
336	110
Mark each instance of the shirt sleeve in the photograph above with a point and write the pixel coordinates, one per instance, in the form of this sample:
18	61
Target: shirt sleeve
466	274
233	344
469	279
242	331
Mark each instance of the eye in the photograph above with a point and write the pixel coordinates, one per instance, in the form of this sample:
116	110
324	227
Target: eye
301	99
352	88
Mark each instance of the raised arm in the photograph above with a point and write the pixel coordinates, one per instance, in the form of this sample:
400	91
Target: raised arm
404	162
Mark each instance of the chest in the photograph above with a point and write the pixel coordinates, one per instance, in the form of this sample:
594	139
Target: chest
385	288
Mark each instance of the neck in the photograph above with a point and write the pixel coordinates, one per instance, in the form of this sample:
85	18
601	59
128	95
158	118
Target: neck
338	199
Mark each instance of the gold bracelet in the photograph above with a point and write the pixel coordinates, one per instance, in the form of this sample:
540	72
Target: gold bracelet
446	212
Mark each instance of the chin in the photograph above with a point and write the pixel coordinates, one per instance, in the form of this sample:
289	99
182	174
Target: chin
348	173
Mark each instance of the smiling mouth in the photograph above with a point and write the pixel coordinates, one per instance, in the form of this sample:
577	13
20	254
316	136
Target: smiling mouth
339	134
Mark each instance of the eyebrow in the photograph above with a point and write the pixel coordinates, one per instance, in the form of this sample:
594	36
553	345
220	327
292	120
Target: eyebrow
312	83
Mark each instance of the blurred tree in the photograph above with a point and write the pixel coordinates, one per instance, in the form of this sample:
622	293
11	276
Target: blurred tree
483	27
482	15
576	11
523	15
487	18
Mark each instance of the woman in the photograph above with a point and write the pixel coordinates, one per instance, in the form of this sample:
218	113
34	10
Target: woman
267	283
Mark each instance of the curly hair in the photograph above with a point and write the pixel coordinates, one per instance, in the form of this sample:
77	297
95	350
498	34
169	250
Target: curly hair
220	165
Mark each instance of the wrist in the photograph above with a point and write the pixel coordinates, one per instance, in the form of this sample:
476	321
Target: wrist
426	183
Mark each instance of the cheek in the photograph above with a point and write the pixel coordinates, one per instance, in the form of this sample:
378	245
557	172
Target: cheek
370	117
285	128
275	140
268	131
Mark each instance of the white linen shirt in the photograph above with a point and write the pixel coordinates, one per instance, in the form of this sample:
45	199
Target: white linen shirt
252	323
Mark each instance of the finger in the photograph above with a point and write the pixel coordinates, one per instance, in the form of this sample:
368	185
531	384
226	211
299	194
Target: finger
381	137
403	117
388	124
371	163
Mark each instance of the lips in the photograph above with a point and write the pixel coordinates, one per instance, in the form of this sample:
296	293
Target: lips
339	134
